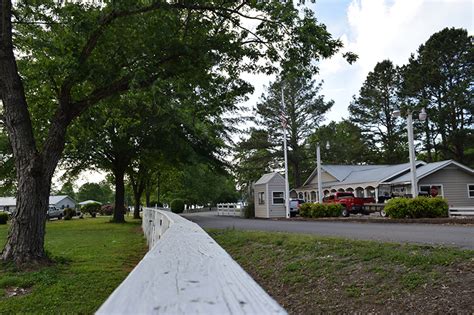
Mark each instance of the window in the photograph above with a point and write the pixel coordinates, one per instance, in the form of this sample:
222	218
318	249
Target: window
278	197
261	198
432	190
470	190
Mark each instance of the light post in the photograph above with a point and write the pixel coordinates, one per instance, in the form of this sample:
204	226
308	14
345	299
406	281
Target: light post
411	146
318	162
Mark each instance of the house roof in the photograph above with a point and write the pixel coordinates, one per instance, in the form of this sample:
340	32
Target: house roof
89	201
11	201
340	172
428	169
55	199
267	178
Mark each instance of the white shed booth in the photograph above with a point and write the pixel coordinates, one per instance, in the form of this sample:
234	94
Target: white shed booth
270	196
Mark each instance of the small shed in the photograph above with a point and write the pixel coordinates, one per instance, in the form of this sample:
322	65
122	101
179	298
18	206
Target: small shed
270	195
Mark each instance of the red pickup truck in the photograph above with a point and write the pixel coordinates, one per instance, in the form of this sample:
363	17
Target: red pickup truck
350	203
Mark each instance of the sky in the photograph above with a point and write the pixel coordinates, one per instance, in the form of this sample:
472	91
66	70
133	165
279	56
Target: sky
375	30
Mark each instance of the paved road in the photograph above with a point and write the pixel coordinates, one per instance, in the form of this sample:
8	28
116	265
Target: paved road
459	236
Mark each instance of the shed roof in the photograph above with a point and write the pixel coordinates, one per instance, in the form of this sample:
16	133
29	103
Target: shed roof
89	201
55	199
266	178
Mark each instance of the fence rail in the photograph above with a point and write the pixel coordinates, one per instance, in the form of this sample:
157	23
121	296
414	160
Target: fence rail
461	211
186	272
230	209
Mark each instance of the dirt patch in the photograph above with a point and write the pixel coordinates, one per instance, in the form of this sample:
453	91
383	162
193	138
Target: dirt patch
17	291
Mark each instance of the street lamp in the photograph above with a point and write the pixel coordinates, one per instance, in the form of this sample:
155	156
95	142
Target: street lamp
318	162
411	146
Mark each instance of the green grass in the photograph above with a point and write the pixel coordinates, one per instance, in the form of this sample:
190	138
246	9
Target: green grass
311	274
92	257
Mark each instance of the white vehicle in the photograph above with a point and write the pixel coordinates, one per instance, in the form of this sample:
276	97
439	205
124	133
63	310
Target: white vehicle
54	212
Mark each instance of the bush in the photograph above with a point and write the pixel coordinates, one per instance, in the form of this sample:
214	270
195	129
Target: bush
69	213
317	210
419	207
3	217
107	209
177	205
91	208
305	210
249	210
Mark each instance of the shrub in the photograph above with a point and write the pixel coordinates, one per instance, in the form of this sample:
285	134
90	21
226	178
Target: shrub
107	209
69	213
91	208
419	207
249	210
397	208
177	205
3	217
317	210
334	210
305	210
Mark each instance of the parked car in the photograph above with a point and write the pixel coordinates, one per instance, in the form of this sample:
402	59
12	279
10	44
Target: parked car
295	205
54	212
350	203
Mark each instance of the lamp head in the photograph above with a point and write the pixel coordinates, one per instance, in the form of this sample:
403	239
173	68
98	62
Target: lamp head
396	113
422	116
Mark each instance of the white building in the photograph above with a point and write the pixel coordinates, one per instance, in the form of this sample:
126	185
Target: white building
269	197
60	202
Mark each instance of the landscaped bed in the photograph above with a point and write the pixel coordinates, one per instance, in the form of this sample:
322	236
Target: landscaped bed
310	274
91	258
375	218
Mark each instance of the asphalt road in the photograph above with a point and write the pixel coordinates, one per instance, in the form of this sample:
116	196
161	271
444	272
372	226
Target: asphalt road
433	234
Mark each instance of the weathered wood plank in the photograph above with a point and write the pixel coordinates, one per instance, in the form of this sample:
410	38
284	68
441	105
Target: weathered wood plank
186	272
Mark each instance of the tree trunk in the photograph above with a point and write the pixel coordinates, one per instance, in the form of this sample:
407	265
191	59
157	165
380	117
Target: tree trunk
148	192
25	243
119	216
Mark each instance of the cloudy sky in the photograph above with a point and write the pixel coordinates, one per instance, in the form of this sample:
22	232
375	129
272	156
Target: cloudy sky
377	30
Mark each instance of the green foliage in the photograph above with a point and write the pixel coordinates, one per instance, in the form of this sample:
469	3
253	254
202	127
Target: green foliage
91	208
373	108
177	205
69	213
249	210
68	190
347	145
3	217
304	110
100	192
317	210
419	207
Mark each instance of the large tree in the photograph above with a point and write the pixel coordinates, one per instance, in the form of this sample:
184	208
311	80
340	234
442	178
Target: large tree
304	109
439	77
74	55
372	110
341	143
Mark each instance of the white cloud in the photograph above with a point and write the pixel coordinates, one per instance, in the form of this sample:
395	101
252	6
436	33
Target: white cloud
381	29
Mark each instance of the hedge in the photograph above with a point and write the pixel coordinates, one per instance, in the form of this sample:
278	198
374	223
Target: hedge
91	208
419	207
3	217
69	213
177	205
317	210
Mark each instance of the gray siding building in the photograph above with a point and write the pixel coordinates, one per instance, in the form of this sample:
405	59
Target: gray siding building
269	193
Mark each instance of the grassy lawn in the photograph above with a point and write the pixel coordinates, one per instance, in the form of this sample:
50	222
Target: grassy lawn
92	258
310	274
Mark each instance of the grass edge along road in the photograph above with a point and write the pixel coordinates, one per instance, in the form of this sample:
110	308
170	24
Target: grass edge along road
313	274
92	257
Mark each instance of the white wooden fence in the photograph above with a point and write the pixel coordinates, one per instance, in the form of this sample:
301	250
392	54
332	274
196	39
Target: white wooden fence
230	209
461	211
186	272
